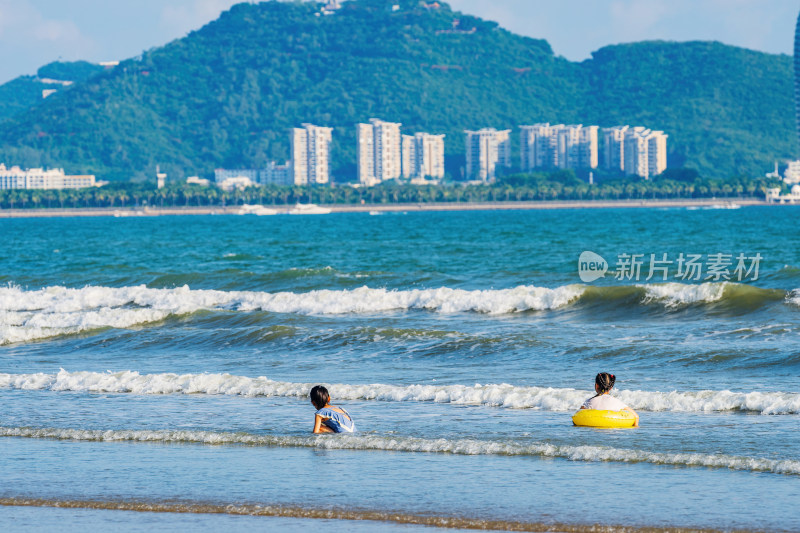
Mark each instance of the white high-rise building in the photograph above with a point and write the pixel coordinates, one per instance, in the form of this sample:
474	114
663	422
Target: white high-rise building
558	146
409	156
310	154
645	152
537	146
487	149
378	151
423	156
656	153
614	148
366	154
38	178
587	147
636	151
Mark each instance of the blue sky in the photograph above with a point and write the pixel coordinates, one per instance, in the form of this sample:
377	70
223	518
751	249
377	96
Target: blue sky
36	32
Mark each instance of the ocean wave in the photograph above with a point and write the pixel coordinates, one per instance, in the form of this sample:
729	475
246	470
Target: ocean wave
30	315
676	294
490	395
412	444
794	297
735	295
26	326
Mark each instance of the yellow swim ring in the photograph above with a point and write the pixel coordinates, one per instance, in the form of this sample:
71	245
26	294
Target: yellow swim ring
603	419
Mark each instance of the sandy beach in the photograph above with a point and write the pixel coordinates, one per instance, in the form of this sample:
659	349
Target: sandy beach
387	208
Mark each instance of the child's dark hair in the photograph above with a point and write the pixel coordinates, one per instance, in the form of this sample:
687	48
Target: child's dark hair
319	396
604	382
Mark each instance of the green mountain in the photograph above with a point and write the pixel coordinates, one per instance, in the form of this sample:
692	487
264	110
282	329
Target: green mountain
227	94
22	93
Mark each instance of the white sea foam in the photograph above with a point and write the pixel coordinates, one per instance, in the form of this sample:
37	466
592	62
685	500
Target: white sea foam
30	315
794	297
492	395
409	444
25	326
676	294
37	314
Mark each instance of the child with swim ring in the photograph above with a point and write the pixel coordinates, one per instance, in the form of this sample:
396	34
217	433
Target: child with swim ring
328	418
603	401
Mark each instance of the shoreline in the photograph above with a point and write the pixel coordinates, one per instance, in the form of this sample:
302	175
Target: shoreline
708	203
267	511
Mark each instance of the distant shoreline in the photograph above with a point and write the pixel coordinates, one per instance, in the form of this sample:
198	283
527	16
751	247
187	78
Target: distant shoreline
385	208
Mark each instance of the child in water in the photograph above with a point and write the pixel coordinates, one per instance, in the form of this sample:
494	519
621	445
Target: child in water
329	419
603	384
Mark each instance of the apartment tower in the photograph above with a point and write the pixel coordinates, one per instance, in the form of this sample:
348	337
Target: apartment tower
645	152
558	146
311	154
378	151
423	156
487	149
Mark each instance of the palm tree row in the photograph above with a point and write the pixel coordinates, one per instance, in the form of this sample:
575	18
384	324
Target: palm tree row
178	195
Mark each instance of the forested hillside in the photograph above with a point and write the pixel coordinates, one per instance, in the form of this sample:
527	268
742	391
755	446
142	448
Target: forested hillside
25	92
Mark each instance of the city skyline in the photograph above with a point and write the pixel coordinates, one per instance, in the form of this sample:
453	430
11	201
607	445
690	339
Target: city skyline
385	153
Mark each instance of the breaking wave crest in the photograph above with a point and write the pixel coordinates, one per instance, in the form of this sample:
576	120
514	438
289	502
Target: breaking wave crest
419	445
31	315
492	395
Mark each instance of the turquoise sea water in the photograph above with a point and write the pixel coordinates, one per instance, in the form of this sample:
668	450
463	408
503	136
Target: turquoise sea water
166	361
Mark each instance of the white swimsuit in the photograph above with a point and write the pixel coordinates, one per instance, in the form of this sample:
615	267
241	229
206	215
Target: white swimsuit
604	402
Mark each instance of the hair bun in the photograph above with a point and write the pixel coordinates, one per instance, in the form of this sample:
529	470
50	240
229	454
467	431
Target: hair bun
605	382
